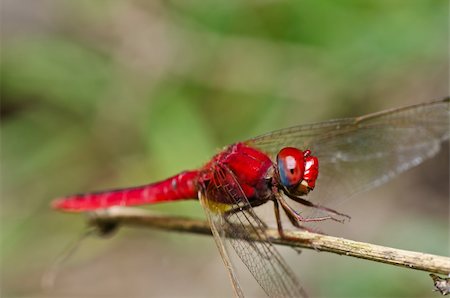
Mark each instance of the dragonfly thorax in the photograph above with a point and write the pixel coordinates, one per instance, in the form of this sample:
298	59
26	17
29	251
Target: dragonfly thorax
297	170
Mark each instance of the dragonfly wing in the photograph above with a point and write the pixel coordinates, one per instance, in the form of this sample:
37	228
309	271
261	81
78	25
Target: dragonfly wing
215	221
236	228
356	154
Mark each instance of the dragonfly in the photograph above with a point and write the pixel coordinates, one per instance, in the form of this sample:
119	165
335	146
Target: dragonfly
307	164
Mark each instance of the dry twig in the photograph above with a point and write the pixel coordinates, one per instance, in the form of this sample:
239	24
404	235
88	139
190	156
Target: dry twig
398	257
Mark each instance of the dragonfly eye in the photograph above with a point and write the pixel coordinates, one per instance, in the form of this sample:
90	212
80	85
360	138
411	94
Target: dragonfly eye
291	166
311	171
298	170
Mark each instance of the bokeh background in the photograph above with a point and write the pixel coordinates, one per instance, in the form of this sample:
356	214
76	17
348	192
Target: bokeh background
105	94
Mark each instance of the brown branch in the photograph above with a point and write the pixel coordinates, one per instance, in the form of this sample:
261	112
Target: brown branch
403	258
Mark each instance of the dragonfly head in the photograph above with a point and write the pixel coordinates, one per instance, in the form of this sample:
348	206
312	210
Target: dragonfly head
297	170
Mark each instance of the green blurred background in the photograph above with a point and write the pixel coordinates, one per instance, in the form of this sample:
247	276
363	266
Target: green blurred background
102	94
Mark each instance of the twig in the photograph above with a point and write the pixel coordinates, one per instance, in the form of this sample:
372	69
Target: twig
403	258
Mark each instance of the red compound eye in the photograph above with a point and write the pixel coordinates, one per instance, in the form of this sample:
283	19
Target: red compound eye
291	166
311	169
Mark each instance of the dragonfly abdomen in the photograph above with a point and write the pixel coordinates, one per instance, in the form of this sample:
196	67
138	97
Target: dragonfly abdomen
179	187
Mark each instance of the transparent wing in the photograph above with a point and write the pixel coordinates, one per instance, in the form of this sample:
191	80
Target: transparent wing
219	234
356	154
236	227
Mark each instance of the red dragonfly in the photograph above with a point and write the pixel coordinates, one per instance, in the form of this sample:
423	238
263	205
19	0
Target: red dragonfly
354	154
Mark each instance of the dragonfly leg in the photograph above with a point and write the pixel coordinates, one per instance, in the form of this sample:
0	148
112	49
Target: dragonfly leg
290	212
295	223
278	219
295	218
245	208
323	208
291	219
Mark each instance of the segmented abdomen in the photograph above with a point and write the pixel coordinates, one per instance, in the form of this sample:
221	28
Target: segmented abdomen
179	187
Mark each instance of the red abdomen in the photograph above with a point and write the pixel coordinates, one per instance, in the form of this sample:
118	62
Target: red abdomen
179	187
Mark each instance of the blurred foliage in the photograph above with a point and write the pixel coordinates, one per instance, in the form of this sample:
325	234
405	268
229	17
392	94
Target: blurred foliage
102	94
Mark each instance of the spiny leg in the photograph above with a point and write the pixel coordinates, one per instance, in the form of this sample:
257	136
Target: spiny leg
323	208
295	223
289	210
245	208
280	225
276	208
296	218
